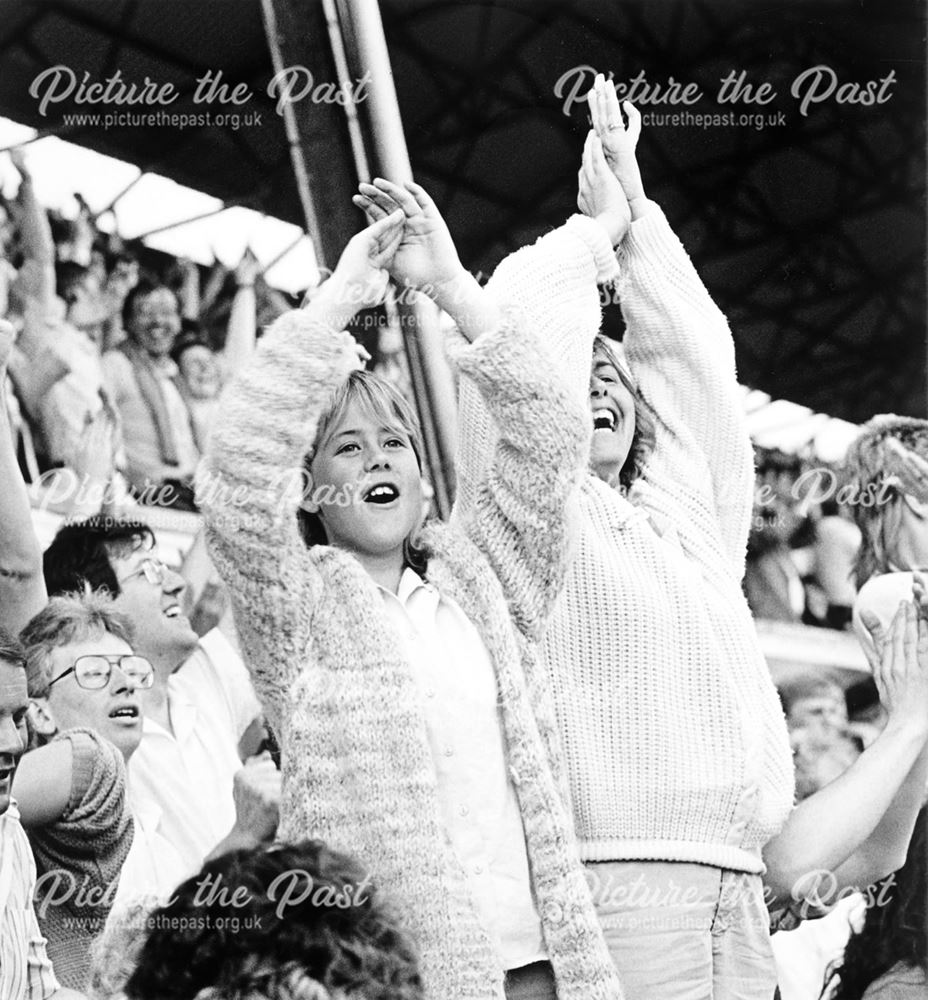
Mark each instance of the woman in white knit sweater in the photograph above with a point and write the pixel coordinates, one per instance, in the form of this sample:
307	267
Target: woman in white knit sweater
399	668
676	747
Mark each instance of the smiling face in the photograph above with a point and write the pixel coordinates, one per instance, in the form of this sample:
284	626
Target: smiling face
161	631
14	704
366	484
113	711
155	321
613	412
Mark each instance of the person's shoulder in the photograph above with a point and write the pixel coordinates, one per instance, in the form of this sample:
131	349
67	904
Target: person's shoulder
901	982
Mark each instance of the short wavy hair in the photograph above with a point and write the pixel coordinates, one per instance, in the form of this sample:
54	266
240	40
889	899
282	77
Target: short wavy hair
643	439
313	948
65	619
866	465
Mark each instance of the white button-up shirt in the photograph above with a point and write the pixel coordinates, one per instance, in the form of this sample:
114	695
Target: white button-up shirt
456	679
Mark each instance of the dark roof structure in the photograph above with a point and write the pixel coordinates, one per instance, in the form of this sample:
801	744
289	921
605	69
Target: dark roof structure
807	223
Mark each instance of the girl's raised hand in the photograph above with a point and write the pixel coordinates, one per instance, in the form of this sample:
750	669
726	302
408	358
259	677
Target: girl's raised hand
619	140
360	277
599	193
426	257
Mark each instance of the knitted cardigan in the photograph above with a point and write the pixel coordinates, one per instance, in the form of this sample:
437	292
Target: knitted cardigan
674	736
90	841
327	663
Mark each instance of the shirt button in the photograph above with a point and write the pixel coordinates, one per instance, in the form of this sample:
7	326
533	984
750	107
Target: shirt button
430	693
553	913
465	811
449	752
478	869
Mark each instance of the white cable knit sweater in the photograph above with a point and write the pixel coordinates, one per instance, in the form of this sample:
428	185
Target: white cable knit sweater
673	734
328	663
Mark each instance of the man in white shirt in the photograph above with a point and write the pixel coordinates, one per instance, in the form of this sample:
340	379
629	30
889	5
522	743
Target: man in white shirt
202	719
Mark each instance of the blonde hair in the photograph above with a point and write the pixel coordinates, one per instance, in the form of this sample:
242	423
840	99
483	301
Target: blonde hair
867	465
381	401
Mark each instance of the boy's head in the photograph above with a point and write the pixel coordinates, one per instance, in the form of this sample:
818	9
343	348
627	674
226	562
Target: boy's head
364	489
14	707
306	923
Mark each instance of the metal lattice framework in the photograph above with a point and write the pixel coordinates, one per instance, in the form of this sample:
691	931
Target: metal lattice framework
810	234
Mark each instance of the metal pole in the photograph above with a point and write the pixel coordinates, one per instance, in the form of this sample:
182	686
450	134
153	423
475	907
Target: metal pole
431	378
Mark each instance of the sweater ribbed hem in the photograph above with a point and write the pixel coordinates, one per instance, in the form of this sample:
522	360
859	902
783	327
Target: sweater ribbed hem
736	859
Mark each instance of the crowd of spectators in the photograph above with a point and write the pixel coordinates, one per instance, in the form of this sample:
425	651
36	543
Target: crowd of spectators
142	815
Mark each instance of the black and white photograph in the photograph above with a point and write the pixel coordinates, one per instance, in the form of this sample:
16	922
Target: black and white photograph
463	500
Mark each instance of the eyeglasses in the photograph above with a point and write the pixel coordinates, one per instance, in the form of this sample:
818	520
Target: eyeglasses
153	570
92	672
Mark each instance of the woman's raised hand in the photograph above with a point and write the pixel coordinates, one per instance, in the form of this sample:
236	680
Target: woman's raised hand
619	140
426	258
599	193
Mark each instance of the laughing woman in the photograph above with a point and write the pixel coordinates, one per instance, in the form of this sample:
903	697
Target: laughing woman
400	685
678	758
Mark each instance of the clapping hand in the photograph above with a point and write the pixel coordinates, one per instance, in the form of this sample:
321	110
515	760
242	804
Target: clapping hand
899	661
360	278
619	140
426	257
600	195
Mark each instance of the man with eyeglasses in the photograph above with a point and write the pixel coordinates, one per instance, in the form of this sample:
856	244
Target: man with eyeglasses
201	716
85	688
26	972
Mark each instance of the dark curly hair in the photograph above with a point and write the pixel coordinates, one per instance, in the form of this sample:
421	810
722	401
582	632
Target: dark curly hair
332	935
892	933
80	553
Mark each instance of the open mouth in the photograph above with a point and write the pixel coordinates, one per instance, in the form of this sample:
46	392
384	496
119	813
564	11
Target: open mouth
126	713
382	493
604	420
172	611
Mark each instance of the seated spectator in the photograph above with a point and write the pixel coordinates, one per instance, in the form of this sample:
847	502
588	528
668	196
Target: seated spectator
201	716
86	721
26	972
161	453
309	925
886	959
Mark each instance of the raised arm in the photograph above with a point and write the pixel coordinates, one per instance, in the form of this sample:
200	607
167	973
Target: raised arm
515	509
682	356
22	585
242	330
250	482
857	829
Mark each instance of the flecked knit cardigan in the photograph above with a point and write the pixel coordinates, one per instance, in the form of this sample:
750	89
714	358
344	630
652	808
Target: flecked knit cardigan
672	731
327	662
